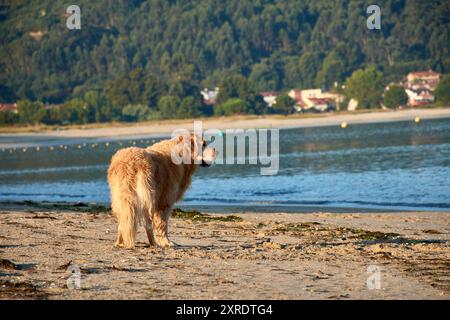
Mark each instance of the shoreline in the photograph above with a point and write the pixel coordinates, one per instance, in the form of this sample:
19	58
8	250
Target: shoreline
317	255
164	128
223	208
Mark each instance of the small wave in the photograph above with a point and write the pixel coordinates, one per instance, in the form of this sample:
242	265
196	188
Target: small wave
368	150
274	193
49	195
52	169
324	203
401	204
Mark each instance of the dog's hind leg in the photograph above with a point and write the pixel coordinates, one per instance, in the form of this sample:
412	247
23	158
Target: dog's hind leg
160	228
149	229
127	228
144	200
119	241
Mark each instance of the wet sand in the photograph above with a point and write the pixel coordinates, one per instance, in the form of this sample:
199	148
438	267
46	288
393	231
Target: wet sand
227	256
165	128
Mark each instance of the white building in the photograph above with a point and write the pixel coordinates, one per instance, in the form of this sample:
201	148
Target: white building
418	99
270	97
209	96
315	99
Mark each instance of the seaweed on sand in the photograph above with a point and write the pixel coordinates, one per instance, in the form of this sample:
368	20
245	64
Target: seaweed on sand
20	290
195	215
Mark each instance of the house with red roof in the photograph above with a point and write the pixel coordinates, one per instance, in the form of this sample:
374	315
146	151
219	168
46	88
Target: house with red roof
419	99
315	100
209	96
422	80
423	75
419	87
8	107
270	97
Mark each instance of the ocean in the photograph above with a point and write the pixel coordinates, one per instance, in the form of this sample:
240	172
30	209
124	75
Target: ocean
383	166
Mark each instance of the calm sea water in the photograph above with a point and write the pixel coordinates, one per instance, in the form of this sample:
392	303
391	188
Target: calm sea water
394	166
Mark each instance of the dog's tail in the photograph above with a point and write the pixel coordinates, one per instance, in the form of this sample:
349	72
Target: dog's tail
129	205
144	196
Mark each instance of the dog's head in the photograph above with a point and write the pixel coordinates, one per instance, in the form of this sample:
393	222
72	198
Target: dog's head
192	149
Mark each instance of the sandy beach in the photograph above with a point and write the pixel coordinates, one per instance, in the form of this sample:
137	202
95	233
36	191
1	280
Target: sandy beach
165	128
239	256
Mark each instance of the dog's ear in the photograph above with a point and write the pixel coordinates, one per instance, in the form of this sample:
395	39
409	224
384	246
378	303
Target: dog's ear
196	148
182	149
187	149
178	150
181	144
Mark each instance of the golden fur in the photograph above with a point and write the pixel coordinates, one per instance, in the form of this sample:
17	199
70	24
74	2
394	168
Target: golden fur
145	183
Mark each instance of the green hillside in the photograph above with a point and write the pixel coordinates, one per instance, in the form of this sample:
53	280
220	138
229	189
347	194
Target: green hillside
135	52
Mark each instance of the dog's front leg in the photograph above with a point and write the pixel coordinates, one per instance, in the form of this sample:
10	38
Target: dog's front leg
160	228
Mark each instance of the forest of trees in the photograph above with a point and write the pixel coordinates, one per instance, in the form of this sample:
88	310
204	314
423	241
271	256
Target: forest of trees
136	60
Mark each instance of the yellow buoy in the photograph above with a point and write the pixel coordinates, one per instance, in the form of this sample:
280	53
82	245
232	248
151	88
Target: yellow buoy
417	119
37	148
344	125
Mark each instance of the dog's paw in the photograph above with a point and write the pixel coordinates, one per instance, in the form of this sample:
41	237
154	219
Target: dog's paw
122	246
167	244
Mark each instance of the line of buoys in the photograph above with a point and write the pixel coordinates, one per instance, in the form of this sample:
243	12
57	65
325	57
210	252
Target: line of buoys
65	147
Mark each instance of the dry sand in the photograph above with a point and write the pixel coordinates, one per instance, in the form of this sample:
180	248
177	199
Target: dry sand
165	128
264	256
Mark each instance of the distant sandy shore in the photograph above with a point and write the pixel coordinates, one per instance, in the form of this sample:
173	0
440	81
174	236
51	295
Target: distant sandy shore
165	128
263	256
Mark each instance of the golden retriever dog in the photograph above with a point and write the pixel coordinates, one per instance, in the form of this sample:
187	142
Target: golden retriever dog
145	183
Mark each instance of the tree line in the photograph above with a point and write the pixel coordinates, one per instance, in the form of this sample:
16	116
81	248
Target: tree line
237	95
